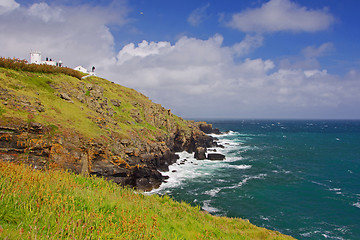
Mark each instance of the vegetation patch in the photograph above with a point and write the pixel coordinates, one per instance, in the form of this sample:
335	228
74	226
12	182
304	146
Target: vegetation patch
2	110
60	205
18	64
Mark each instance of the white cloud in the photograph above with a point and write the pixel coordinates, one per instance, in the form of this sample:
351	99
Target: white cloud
198	15
281	15
143	49
75	35
46	13
308	58
193	77
315	73
8	6
312	51
204	78
250	43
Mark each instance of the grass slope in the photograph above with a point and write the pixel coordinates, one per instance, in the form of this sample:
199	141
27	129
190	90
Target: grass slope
60	205
132	117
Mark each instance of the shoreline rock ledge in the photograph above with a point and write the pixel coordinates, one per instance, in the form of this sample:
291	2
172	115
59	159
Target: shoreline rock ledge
92	127
35	144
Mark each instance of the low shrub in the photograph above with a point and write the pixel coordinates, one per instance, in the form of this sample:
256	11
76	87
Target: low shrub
23	65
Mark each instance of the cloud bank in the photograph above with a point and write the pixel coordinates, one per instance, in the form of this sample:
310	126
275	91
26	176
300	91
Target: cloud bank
281	15
78	35
194	77
204	78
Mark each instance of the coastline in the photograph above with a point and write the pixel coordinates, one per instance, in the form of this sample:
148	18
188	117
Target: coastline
292	176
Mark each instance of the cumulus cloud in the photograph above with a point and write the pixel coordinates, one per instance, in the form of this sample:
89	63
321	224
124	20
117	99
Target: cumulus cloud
198	15
281	15
194	77
75	35
8	6
204	78
308	57
313	51
46	13
143	49
250	43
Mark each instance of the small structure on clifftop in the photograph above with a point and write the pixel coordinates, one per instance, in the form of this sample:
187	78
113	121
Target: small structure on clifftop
35	57
84	70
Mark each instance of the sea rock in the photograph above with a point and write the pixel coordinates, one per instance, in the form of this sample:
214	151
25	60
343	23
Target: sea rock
208	129
200	153
216	156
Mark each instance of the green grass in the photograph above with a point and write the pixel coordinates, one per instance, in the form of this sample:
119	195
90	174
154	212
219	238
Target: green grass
78	117
2	110
60	205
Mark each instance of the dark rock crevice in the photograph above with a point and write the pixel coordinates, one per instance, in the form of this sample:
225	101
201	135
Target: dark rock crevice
120	161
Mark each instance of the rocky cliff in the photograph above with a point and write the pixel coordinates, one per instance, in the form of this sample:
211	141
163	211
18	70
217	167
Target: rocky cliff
91	126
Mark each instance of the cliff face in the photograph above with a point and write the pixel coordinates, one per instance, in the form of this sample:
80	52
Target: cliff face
91	126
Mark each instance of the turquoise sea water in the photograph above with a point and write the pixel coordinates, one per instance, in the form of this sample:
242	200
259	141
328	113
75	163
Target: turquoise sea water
301	178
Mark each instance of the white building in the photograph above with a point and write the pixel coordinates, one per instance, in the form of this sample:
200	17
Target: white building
81	69
84	70
35	57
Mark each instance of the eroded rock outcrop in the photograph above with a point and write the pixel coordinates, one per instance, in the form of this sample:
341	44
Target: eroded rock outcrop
116	132
120	160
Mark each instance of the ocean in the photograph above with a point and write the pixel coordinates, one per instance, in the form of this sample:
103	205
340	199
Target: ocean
299	177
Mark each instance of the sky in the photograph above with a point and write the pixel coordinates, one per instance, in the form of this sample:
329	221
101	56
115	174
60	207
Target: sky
204	59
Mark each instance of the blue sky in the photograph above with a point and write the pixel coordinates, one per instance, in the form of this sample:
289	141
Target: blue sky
205	59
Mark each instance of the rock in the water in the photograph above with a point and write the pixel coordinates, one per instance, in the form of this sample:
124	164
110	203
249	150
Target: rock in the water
208	129
216	156
200	153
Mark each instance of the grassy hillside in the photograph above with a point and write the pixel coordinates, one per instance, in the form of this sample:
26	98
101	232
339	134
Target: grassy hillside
53	118
60	205
95	106
55	121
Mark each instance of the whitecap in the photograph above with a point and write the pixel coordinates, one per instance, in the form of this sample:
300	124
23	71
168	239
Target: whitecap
242	166
232	159
180	171
245	180
206	206
281	171
224	134
320	184
357	204
212	192
336	190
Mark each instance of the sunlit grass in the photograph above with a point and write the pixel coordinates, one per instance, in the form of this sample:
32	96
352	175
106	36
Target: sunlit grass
60	205
78	116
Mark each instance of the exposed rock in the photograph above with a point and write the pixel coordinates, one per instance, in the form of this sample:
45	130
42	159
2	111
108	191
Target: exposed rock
115	102
66	97
207	128
215	156
125	142
200	153
129	151
133	145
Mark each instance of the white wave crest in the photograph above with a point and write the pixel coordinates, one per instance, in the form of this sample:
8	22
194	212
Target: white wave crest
212	192
357	204
206	206
245	180
243	166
